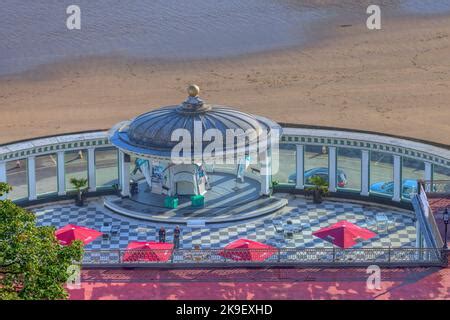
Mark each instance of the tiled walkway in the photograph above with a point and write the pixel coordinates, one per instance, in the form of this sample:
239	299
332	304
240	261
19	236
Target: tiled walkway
302	213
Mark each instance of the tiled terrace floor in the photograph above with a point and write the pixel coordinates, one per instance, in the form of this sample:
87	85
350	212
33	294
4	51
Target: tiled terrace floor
302	213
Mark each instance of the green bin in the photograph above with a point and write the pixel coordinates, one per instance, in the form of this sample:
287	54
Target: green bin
198	201
171	202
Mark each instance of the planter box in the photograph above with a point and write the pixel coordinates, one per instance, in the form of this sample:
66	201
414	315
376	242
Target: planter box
197	201
171	202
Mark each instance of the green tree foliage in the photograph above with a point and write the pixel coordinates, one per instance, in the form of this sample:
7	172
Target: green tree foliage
80	185
33	265
318	183
4	188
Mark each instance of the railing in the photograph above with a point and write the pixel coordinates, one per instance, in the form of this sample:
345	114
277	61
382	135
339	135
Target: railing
439	187
427	215
301	257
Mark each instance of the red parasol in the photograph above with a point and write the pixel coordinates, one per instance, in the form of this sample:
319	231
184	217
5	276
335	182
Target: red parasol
69	233
148	251
247	250
344	234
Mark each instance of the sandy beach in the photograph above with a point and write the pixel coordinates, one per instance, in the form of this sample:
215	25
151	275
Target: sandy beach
395	81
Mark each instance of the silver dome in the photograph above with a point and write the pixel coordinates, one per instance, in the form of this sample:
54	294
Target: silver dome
151	132
154	129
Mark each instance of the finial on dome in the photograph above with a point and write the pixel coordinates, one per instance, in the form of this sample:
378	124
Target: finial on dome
193	90
193	104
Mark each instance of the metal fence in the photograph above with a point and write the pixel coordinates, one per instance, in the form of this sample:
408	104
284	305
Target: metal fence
440	187
301	257
425	213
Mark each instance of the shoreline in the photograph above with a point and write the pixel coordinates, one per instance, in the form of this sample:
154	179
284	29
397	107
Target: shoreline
340	81
316	31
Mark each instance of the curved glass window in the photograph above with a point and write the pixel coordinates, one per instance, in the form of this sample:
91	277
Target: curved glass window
315	163
287	164
412	170
348	175
159	168
17	178
135	173
382	173
441	173
106	167
75	166
213	167
46	175
254	171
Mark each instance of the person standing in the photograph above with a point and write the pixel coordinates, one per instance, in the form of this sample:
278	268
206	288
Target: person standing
176	237
162	235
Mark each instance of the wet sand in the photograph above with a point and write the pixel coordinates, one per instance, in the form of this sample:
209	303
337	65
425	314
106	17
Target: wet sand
393	81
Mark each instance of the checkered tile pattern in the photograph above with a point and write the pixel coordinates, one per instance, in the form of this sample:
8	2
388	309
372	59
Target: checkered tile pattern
304	215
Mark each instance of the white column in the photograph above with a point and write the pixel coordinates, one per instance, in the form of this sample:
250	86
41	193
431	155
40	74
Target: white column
125	174
332	169
300	184
60	164
265	173
365	169
3	176
428	175
31	170
397	178
120	161
91	170
2	171
150	169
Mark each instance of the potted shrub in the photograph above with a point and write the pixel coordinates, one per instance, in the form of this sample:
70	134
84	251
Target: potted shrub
80	185
319	188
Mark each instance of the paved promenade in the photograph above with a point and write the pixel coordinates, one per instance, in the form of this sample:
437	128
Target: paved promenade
438	206
231	284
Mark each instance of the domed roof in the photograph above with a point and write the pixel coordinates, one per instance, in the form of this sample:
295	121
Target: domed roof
152	131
